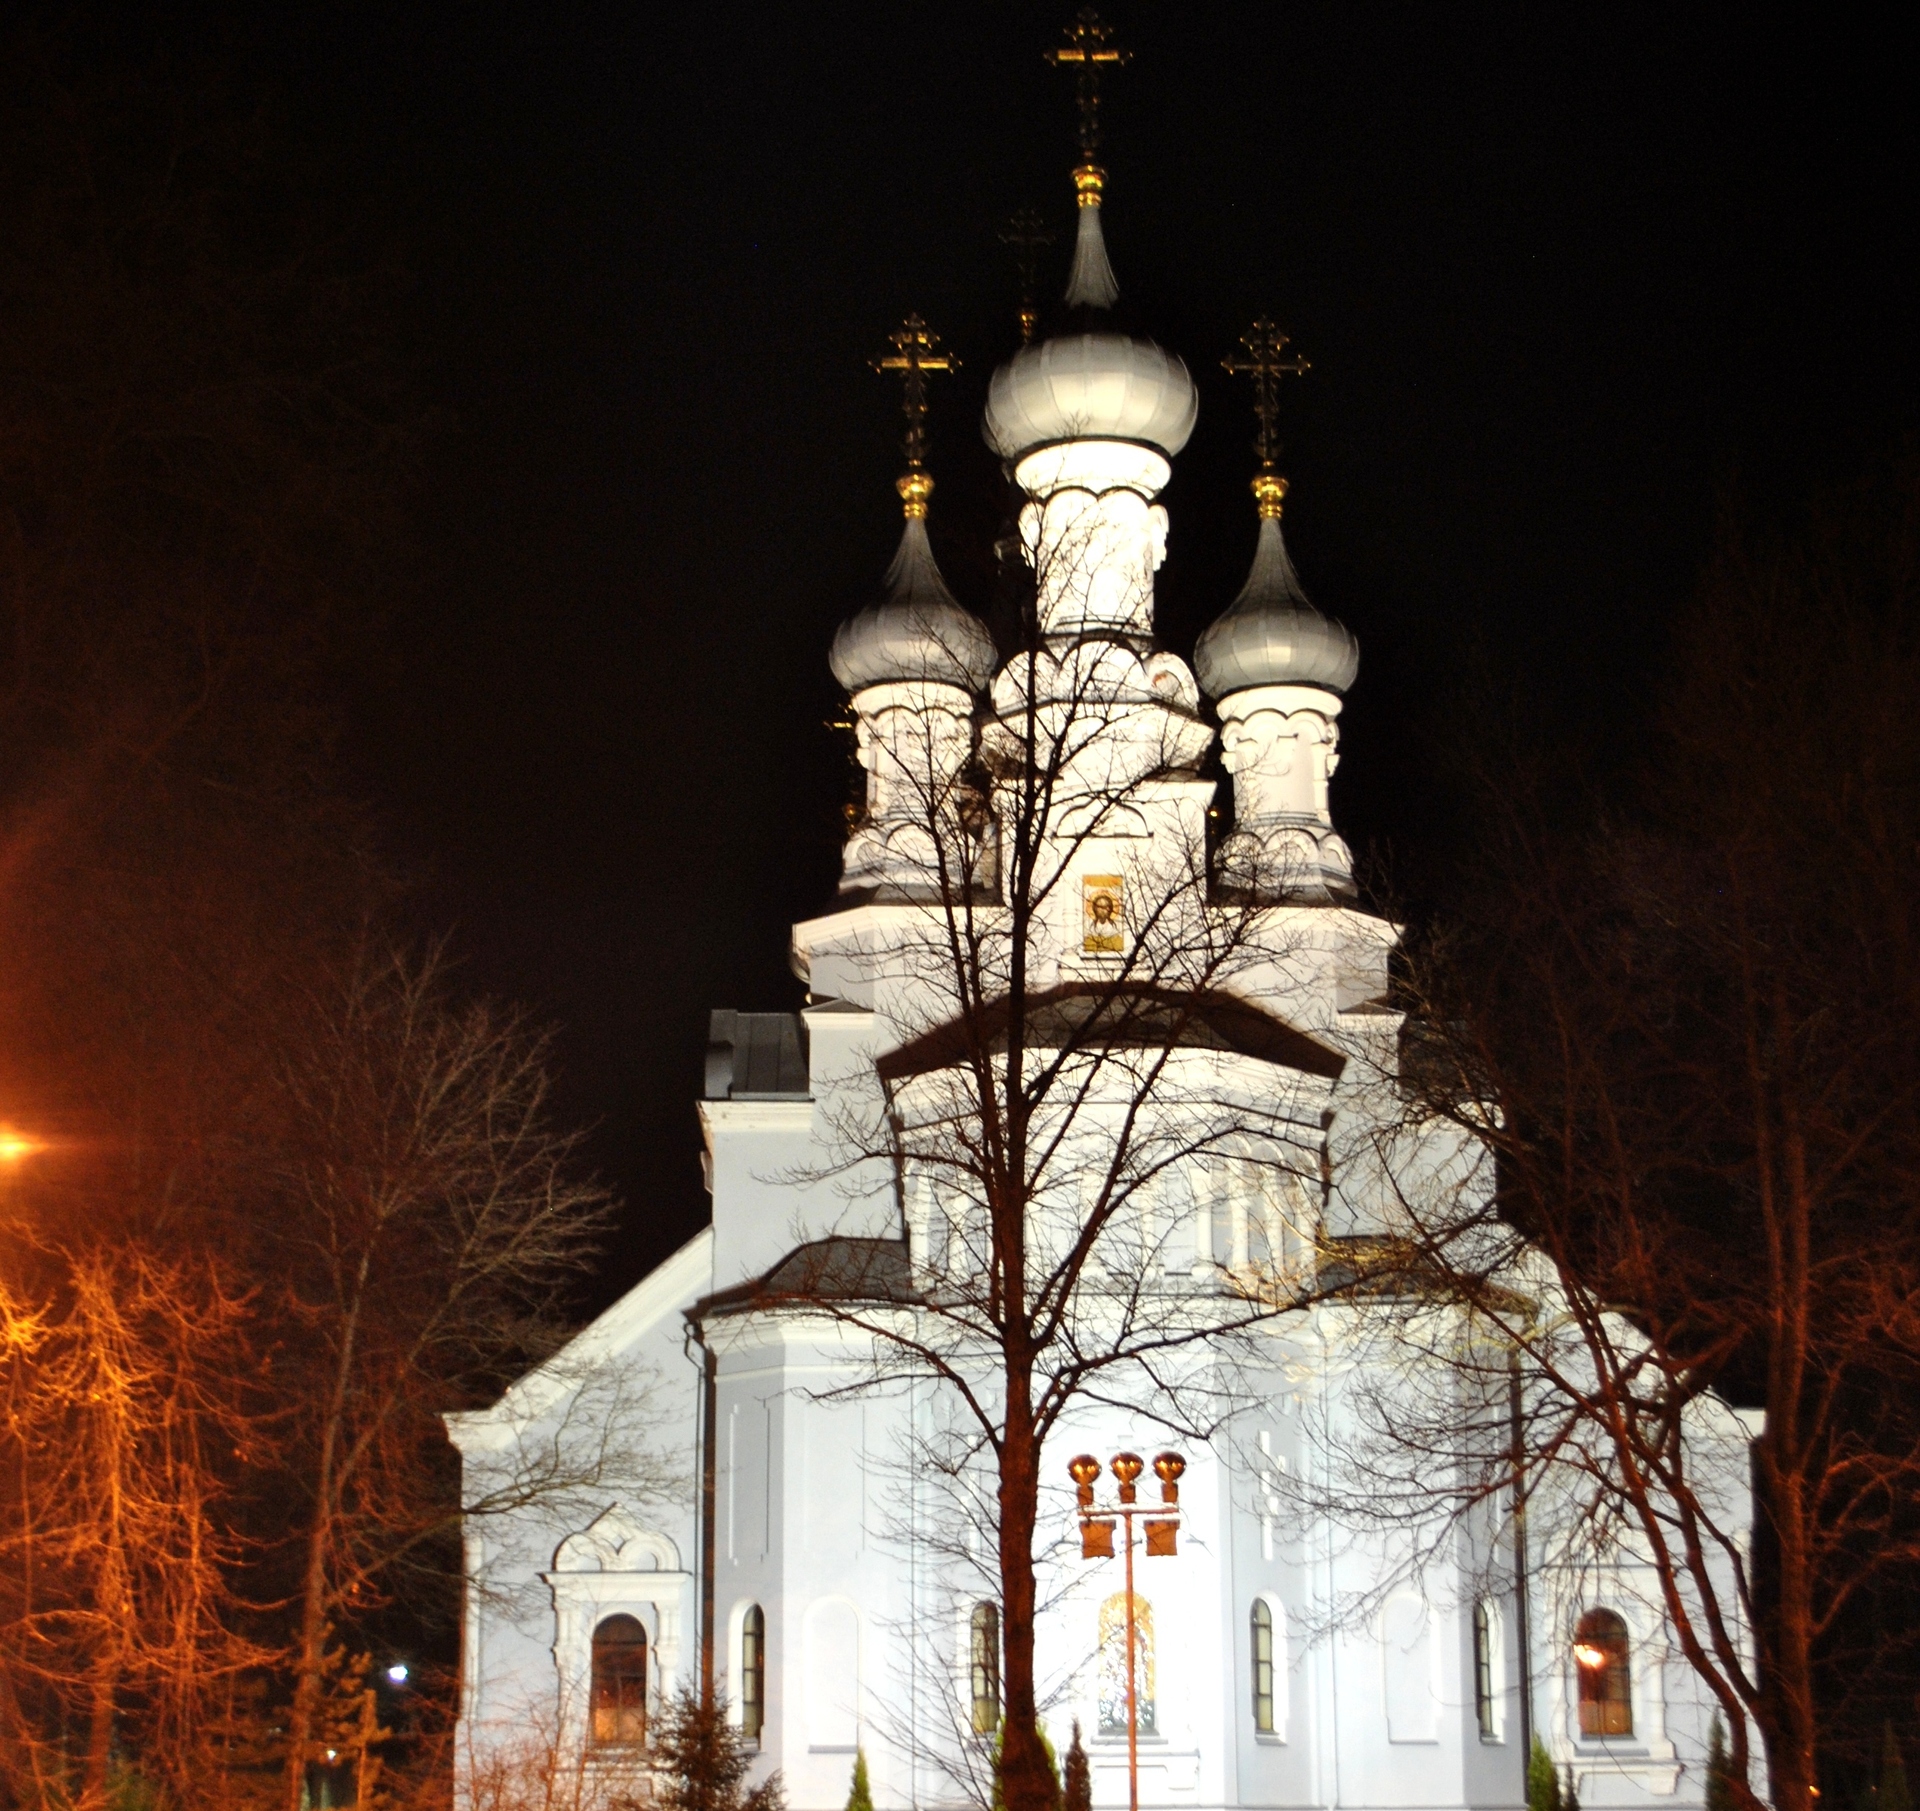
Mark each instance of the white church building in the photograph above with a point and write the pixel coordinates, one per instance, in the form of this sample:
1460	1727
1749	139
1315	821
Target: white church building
734	1483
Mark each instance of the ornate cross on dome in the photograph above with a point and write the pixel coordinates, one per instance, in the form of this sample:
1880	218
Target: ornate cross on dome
1026	235
1088	50
1264	362
916	351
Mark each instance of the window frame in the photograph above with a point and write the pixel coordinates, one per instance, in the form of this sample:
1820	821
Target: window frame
1604	1709
625	1723
1488	1654
1110	1626
983	1667
752	1695
1259	1625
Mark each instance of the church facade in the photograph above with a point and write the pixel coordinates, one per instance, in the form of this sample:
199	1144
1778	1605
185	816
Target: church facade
739	1484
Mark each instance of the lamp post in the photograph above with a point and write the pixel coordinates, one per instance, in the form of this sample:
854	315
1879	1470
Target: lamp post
1096	1542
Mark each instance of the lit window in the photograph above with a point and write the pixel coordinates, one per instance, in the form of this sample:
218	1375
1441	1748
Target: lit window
1113	1665
1600	1663
619	1697
753	1672
984	1667
1485	1704
1263	1666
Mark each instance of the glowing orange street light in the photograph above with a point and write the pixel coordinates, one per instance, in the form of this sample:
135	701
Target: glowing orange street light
1096	1542
17	1145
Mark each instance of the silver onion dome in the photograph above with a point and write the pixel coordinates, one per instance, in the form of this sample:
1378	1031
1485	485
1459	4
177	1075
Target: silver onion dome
917	631
1090	386
1271	635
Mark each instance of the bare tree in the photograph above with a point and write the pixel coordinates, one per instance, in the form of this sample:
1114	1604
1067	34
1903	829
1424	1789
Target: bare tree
1108	1157
541	1770
203	443
434	1218
118	1611
1686	1042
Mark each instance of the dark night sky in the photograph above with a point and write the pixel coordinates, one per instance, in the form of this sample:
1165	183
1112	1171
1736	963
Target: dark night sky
1565	275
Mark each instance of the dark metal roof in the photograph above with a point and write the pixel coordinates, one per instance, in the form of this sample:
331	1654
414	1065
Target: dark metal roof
757	1056
1119	1017
823	1270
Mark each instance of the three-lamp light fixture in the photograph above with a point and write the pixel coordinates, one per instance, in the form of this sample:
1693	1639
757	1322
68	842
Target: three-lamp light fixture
1162	1525
1162	1532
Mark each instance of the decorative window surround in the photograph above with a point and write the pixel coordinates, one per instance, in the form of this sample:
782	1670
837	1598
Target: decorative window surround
612	1567
1646	1758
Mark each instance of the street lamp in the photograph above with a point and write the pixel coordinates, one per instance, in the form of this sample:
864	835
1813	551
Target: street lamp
17	1146
1096	1542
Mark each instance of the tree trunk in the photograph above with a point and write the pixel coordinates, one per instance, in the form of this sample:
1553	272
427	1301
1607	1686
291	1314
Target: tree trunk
105	1694
1026	1778
309	1658
1787	1447
310	1652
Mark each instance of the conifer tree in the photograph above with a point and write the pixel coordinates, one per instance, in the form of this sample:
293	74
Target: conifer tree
1543	1780
701	1761
861	1797
1077	1792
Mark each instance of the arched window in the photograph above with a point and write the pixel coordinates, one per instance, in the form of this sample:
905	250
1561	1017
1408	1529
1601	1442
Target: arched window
1606	1686
983	1667
1113	1664
753	1672
619	1698
1262	1627
1486	1707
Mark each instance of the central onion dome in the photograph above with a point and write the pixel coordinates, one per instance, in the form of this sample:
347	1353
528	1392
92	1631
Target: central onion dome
1270	634
1098	385
917	631
1090	386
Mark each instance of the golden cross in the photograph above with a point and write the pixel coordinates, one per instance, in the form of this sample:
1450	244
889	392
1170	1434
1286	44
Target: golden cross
915	353
1027	235
1087	51
1264	345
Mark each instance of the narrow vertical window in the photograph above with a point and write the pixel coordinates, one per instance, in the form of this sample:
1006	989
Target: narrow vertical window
1262	1630
1606	1686
1485	1709
983	1667
1113	1665
619	1695
753	1672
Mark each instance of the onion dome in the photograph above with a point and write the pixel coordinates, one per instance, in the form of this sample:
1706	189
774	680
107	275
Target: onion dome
917	631
1092	385
1270	634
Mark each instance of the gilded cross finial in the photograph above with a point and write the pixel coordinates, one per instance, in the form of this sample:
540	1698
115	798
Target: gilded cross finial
916	351
1089	49
1028	237
1264	361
